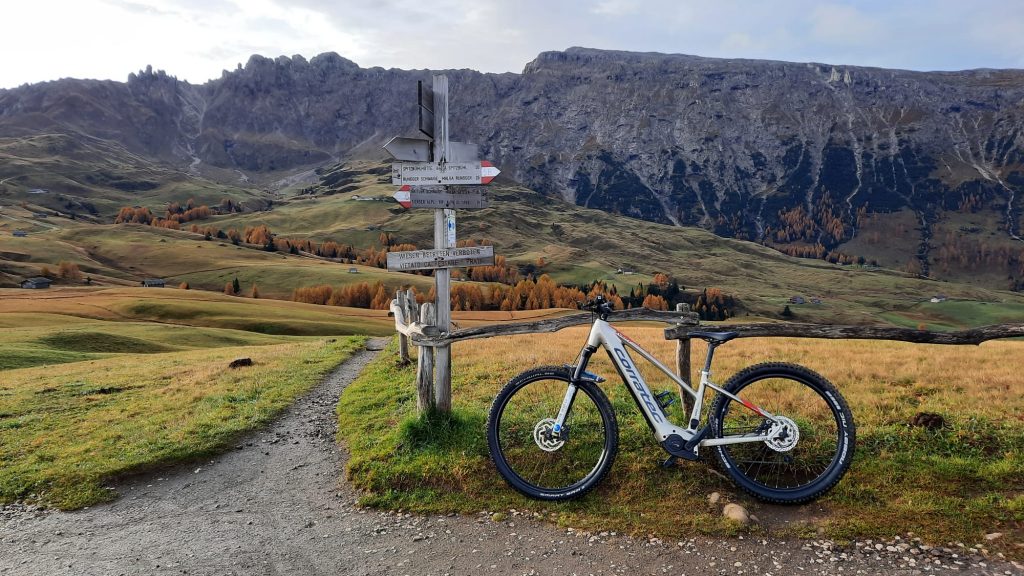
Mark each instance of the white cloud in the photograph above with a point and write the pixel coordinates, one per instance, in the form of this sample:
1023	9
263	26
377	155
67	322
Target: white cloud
196	39
844	24
616	7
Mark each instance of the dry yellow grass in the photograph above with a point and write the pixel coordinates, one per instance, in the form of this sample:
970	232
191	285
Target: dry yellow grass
884	381
955	483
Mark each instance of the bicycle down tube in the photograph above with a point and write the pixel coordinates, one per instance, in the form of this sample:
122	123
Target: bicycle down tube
603	335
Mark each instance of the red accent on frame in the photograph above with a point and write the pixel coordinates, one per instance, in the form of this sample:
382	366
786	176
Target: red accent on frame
752	407
624	337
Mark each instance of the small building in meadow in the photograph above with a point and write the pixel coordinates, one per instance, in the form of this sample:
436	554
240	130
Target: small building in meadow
153	283
36	283
353	270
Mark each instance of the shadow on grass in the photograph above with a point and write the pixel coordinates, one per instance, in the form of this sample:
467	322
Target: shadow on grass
435	431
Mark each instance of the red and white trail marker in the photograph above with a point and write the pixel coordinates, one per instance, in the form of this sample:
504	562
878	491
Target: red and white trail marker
403	196
488	172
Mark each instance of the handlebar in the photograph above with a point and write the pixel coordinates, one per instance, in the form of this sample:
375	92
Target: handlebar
598	304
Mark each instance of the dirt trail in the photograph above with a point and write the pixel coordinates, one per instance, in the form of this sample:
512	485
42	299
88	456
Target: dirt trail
275	505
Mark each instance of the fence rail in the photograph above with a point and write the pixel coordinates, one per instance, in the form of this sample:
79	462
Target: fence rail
413	327
423	338
801	330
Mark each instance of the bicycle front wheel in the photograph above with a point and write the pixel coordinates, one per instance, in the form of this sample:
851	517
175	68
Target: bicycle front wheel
534	459
813	450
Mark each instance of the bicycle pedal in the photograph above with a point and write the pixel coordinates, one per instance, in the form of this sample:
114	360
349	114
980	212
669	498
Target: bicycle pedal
669	462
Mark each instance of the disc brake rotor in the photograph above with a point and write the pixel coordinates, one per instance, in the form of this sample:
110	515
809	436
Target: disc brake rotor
545	437
783	435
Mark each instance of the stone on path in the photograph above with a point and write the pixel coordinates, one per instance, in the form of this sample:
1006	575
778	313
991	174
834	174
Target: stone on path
737	513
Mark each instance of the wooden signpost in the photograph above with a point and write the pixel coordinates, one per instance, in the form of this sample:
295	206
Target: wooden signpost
427	170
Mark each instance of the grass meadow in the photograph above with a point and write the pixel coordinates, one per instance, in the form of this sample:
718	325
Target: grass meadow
68	429
953	484
95	383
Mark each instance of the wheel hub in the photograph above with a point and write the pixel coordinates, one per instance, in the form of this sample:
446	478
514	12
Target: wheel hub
783	435
545	436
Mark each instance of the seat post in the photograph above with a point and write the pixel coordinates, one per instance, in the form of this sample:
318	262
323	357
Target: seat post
711	353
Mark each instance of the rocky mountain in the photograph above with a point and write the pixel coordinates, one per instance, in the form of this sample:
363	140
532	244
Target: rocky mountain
805	157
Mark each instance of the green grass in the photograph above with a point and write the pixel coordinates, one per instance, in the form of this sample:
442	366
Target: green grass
14	357
101	342
957	314
440	463
952	484
260	316
181	318
126	253
35	339
65	431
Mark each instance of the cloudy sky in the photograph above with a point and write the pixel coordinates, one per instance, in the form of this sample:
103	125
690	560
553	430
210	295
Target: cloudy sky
197	39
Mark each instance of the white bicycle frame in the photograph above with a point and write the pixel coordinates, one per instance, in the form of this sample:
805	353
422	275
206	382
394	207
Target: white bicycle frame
603	335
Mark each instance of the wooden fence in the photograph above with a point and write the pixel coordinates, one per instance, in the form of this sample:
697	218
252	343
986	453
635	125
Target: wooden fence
840	332
412	322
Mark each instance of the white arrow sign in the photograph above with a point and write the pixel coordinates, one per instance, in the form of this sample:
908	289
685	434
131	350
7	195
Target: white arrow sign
427	173
411	149
442	258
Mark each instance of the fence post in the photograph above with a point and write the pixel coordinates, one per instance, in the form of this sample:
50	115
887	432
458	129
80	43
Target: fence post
683	365
403	340
425	367
443	379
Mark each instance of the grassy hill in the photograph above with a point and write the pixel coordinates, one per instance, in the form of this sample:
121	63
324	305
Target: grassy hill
353	205
582	245
125	254
90	177
167	308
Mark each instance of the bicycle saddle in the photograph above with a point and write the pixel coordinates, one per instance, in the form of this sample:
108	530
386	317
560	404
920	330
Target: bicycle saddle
716	337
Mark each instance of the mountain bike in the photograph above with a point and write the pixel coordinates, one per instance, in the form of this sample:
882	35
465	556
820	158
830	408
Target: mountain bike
782	432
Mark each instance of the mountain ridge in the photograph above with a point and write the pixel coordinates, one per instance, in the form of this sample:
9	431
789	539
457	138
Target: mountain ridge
794	155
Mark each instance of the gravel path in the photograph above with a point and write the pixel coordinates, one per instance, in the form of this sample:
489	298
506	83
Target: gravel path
275	505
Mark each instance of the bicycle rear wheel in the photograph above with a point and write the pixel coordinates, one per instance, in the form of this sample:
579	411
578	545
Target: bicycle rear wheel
534	460
809	458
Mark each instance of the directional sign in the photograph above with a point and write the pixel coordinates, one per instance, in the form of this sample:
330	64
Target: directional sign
427	173
410	149
454	197
418	150
443	258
